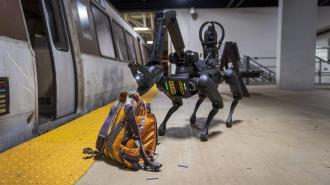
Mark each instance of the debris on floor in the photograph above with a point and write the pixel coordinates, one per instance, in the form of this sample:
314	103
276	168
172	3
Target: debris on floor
183	166
152	178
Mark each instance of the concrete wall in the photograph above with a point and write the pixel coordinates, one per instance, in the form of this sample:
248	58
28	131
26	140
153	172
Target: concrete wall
296	43
254	29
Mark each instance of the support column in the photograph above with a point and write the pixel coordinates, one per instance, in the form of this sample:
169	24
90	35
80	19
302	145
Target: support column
296	42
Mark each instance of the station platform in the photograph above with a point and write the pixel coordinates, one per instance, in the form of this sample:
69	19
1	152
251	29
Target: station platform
56	157
278	137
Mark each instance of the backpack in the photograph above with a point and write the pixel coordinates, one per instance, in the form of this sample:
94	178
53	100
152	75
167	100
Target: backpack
129	134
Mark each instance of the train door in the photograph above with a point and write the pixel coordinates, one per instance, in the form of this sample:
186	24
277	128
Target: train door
61	55
55	66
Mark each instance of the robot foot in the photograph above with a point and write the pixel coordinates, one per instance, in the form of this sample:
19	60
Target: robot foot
229	123
203	136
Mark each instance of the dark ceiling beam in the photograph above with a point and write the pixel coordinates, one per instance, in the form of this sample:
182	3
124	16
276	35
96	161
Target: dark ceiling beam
324	2
239	3
323	31
149	5
230	3
155	5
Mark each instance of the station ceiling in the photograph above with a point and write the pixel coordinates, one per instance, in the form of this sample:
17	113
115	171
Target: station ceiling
133	5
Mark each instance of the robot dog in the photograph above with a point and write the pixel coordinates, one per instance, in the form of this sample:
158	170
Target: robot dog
192	76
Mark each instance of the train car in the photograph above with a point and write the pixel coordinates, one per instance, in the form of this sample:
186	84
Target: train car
60	59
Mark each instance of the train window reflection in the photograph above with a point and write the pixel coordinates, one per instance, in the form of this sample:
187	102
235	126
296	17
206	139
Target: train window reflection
120	41
84	21
56	23
103	33
130	46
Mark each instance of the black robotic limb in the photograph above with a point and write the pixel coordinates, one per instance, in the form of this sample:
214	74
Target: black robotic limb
231	55
232	79
229	122
193	116
207	86
176	104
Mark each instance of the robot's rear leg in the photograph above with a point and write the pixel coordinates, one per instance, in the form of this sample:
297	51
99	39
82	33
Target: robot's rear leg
229	122
193	116
176	104
232	80
208	87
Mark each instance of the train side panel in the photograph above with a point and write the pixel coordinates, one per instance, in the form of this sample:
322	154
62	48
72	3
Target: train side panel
17	65
104	80
27	62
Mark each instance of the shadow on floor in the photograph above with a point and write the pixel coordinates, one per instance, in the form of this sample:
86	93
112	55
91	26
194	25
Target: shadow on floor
114	163
187	131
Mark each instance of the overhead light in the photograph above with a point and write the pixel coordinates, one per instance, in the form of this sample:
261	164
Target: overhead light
150	42
141	28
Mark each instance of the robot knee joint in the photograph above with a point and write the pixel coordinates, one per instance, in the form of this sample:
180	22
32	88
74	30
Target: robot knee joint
178	103
217	105
204	82
229	75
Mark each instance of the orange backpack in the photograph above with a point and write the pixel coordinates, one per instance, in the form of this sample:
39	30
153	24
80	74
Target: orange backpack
129	134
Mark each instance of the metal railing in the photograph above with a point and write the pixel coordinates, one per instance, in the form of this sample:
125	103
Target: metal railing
268	72
321	72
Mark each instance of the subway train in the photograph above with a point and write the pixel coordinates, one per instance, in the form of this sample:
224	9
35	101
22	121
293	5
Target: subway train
60	59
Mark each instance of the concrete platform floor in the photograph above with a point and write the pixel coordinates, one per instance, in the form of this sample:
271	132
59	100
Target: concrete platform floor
279	137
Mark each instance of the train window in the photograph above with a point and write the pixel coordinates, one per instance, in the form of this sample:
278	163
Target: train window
84	21
120	41
103	33
130	46
56	23
35	24
85	27
11	20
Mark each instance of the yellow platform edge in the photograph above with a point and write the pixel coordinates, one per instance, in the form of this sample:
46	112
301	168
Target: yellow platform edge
56	157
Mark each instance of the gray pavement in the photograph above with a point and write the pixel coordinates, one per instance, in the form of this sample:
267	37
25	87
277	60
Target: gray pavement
279	137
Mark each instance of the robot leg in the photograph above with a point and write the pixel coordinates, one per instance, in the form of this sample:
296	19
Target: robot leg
193	116
233	81
208	87
176	104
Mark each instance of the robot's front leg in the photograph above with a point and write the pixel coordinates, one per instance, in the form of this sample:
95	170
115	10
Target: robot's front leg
208	87
193	116
176	104
213	112
232	80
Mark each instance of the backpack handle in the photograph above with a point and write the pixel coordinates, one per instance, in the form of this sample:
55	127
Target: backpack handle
129	110
142	108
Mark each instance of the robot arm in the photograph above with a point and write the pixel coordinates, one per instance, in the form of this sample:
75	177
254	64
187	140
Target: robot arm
152	73
166	20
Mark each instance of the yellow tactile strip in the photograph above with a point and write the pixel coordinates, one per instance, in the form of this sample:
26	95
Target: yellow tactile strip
56	157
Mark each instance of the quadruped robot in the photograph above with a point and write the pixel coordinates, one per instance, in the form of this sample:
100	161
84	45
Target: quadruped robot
192	76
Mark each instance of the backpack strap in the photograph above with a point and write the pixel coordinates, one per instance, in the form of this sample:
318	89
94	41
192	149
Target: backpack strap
130	113
90	153
106	125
